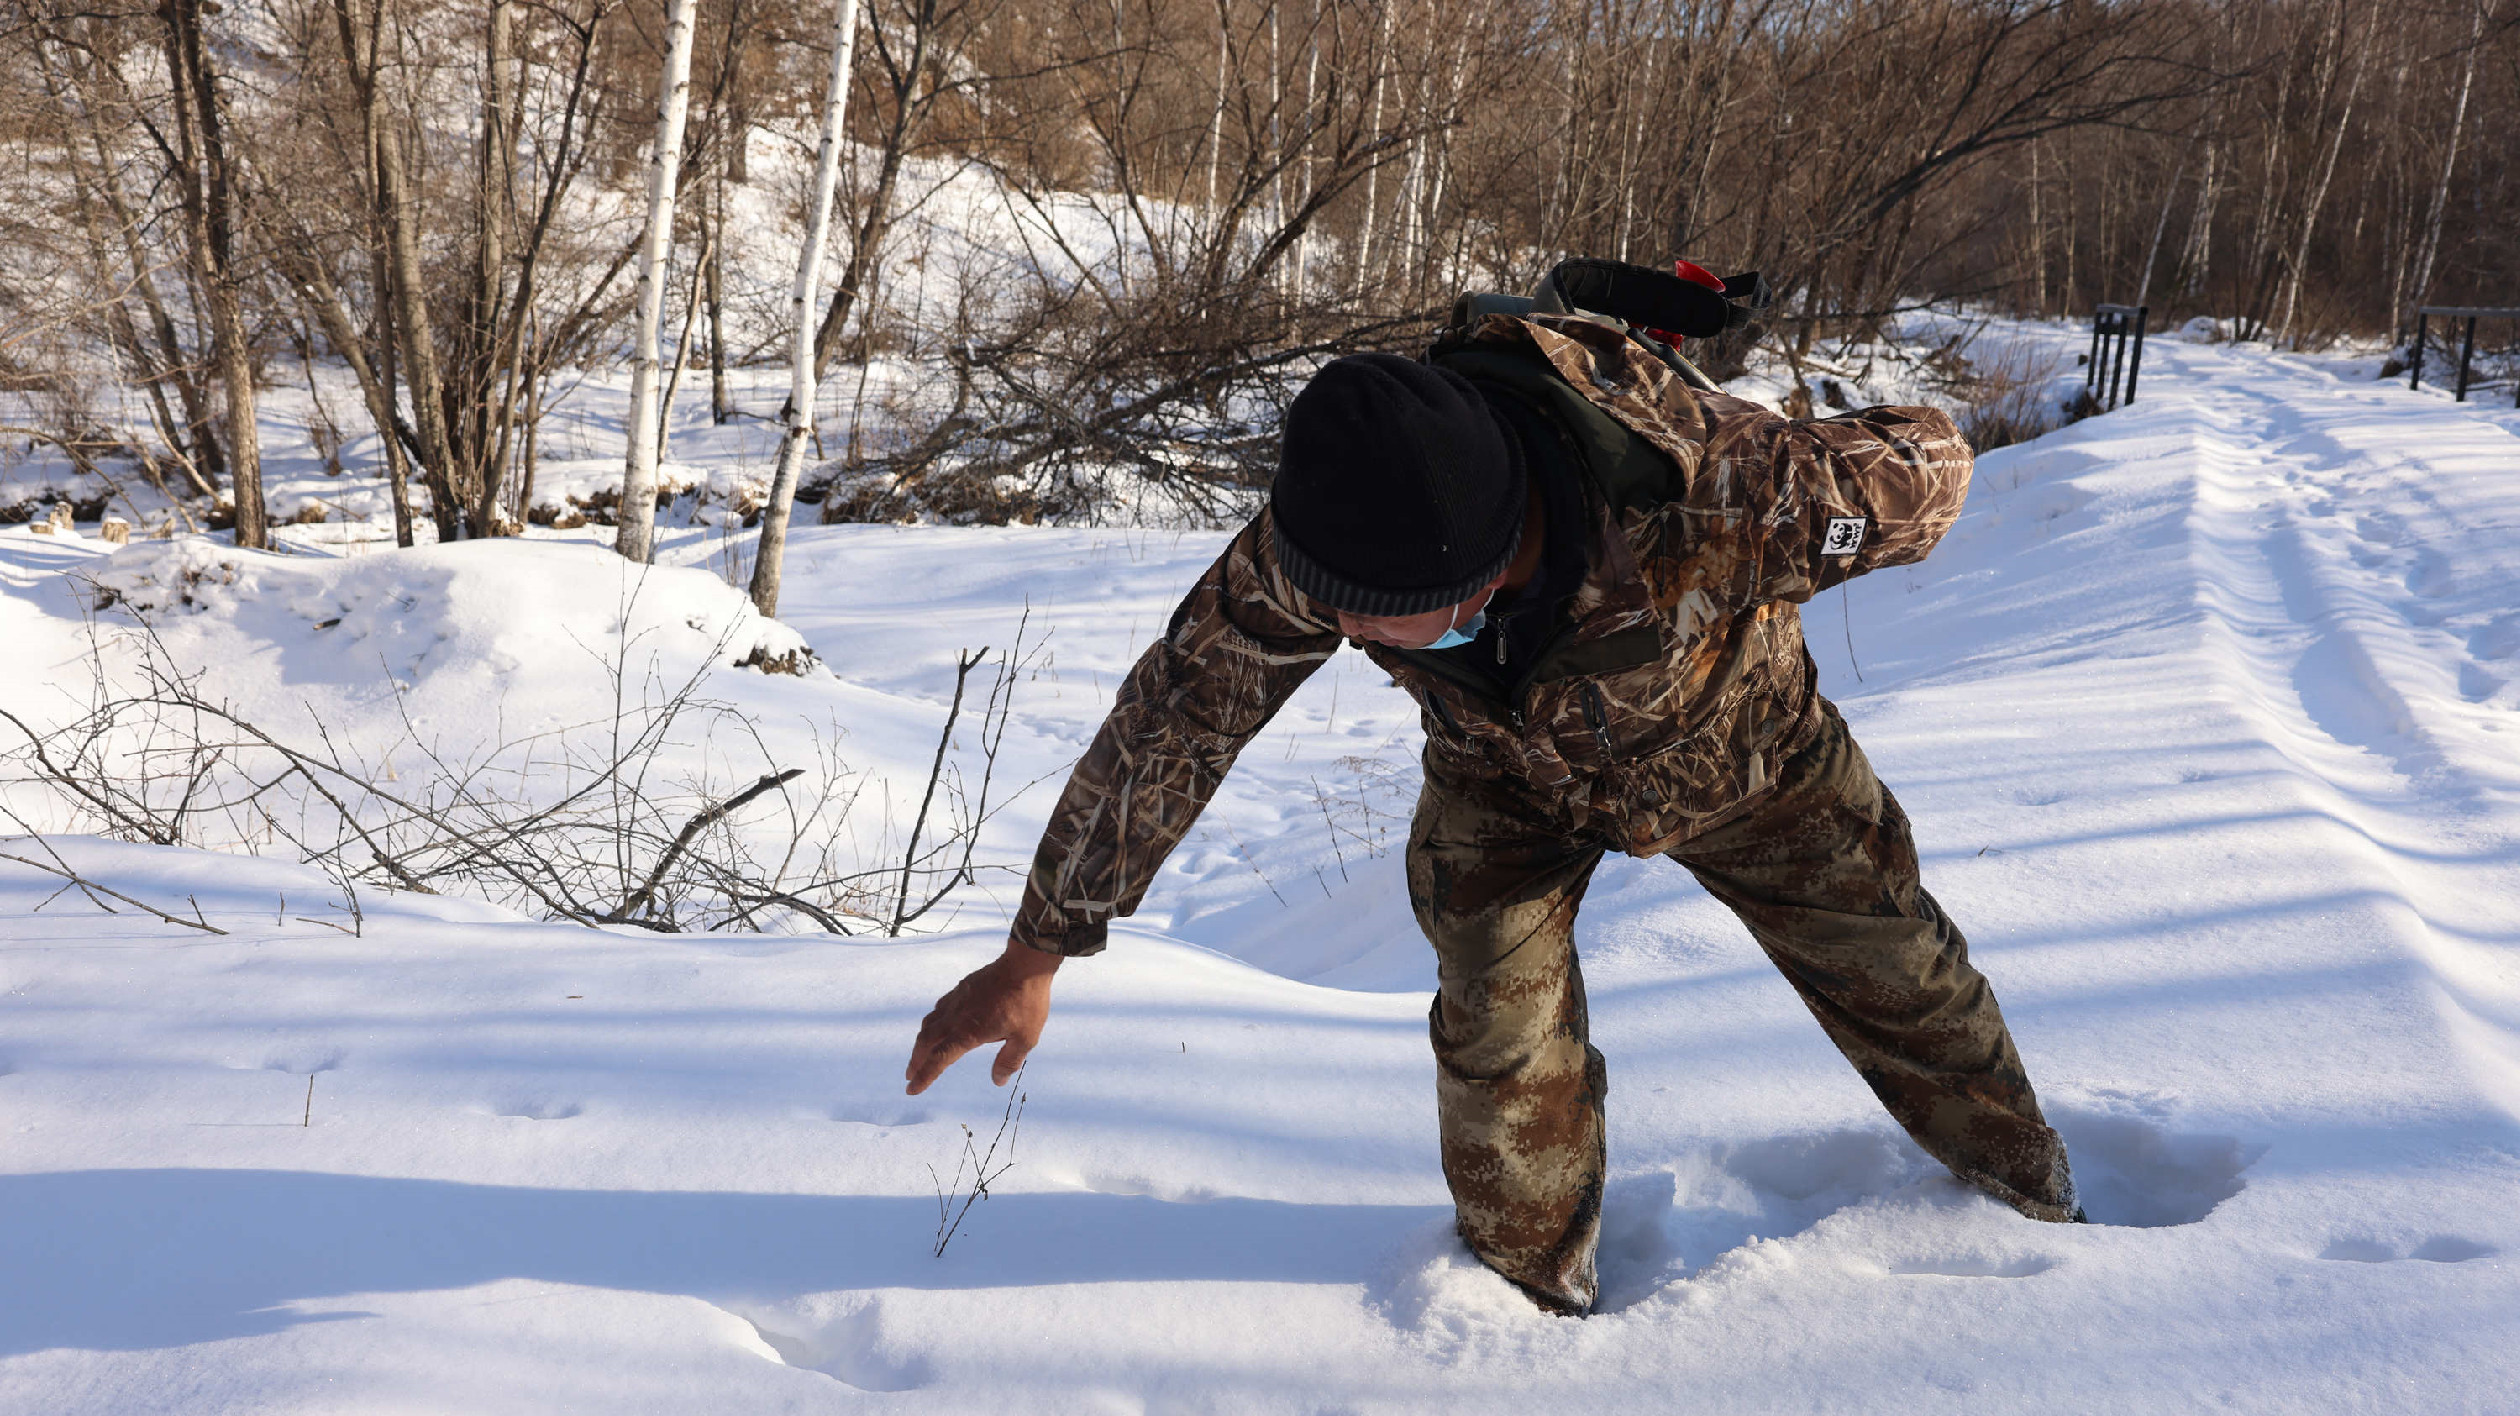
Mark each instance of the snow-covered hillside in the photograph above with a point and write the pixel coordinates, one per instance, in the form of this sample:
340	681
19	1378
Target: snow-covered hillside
2206	715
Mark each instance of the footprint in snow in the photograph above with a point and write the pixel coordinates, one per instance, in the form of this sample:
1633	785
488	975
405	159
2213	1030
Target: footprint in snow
2497	638
843	1335
2131	1170
2476	685
542	1110
1665	1227
2134	1172
2434	574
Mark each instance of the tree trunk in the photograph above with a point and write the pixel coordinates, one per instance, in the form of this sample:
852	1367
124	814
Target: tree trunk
2038	241
908	112
682	342
358	37
491	406
209	189
1277	131
533	448
2161	223
1373	174
1216	116
2431	249
419	343
2318	192
721	401
2196	262
803	357
636	539
1312	89
322	300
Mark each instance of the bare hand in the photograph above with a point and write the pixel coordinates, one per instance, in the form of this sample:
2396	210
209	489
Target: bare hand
1005	1000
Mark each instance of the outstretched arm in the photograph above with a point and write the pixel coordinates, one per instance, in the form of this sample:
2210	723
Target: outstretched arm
1240	644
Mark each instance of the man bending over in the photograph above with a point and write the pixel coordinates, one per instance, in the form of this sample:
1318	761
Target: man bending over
1587	574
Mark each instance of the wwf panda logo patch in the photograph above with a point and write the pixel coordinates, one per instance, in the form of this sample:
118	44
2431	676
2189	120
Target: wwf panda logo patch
1844	535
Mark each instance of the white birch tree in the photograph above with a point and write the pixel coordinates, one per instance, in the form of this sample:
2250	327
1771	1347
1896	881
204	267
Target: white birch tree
2298	266
2431	248
797	418
636	539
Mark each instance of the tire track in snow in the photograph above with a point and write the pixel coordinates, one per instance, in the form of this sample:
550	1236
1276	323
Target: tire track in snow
2346	684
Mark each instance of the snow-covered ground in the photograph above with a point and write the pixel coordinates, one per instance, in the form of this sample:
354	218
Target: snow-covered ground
2205	713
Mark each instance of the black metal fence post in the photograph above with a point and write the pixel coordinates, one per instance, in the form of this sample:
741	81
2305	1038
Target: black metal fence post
2468	315
2112	326
2143	316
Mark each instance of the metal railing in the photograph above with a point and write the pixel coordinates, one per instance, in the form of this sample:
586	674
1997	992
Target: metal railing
2467	342
2112	327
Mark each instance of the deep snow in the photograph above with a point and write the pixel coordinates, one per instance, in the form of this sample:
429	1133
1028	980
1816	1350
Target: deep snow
2205	715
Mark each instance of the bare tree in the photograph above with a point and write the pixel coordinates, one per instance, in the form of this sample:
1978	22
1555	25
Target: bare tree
797	416
207	180
636	539
2430	246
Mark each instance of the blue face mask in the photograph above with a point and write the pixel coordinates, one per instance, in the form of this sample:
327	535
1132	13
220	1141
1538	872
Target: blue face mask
1458	635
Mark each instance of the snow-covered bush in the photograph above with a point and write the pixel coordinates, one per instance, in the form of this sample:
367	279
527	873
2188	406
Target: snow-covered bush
536	725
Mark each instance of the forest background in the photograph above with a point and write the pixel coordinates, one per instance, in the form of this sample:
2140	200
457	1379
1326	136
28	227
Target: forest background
1194	201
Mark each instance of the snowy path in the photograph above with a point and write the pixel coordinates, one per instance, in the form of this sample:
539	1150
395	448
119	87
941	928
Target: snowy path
2207	714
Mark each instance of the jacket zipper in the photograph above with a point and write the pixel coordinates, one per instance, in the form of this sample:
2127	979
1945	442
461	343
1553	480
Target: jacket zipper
1595	713
1513	700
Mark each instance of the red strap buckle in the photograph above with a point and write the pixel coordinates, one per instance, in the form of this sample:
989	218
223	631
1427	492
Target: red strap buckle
1697	274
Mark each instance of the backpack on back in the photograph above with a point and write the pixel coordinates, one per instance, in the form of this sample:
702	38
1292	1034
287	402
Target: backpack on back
1655	307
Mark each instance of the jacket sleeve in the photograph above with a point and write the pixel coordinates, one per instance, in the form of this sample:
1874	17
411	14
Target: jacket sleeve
1240	644
1783	509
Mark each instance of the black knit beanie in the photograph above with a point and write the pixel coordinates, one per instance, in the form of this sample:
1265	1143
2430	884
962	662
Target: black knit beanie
1398	490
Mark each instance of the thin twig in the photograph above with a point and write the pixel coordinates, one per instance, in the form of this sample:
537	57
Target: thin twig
86	884
638	900
963	664
1322	800
1010	1124
1247	860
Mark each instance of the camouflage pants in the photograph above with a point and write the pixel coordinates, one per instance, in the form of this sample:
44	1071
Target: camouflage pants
1823	871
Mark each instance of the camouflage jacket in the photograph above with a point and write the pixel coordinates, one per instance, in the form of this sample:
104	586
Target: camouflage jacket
1677	682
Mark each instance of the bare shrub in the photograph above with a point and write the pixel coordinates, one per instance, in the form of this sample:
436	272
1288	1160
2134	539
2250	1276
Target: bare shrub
2009	398
588	822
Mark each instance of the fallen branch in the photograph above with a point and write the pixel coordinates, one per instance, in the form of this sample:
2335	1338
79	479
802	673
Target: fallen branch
93	889
694	827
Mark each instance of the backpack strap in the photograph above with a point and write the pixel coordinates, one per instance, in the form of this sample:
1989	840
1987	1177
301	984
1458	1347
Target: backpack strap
1642	297
1631	472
